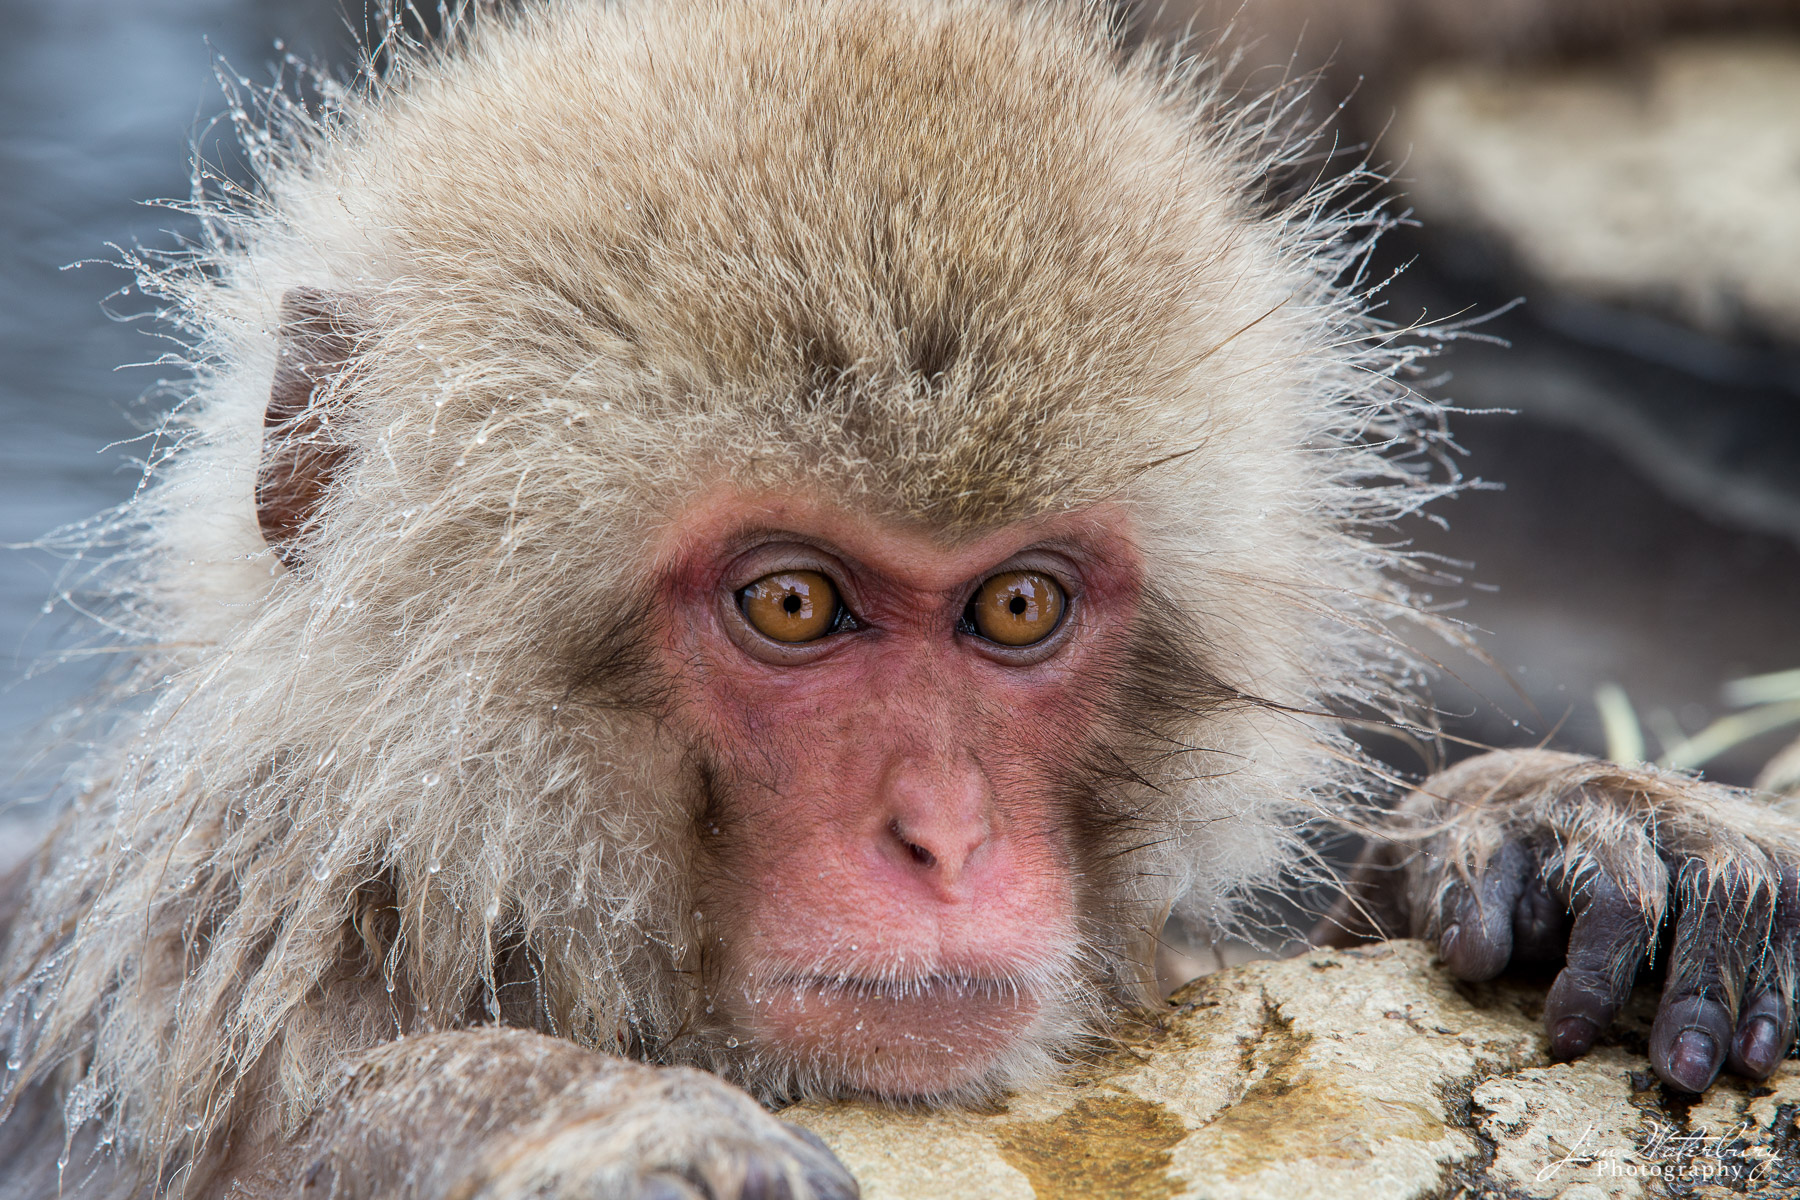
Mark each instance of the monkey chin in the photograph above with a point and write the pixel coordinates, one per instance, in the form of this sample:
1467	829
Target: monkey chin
931	1038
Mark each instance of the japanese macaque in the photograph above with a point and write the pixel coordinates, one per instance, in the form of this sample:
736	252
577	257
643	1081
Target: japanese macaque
784	539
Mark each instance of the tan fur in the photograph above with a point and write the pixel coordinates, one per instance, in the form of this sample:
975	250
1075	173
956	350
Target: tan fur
1599	816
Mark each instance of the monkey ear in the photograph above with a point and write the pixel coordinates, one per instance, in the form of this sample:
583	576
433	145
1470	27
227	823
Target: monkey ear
302	449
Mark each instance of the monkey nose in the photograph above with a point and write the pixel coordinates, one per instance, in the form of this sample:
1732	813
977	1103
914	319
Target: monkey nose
941	847
936	816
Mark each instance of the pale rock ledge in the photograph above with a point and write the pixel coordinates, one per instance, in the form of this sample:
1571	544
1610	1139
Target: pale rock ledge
1341	1075
1669	182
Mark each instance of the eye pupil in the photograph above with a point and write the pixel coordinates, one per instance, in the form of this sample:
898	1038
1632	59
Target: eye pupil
793	604
1017	608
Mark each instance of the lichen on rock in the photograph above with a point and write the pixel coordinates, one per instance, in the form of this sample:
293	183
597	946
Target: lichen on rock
1355	1074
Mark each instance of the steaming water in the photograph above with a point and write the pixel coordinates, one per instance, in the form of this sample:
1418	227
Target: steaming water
100	103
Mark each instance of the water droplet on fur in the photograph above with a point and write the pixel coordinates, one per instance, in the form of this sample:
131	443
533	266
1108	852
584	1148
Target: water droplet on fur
461	462
14	1063
433	867
430	779
321	870
493	909
732	1042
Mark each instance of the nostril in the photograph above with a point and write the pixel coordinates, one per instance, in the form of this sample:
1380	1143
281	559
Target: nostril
920	854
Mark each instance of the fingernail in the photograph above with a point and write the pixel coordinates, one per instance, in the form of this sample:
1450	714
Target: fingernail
661	1187
1572	1036
1447	940
1757	1047
763	1182
1693	1060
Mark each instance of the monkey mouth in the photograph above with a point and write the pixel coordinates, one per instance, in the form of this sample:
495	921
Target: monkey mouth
915	1036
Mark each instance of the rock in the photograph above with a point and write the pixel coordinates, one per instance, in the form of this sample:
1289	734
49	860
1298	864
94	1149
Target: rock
1340	1074
1670	184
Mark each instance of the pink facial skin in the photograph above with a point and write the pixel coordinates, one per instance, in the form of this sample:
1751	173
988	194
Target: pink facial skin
894	889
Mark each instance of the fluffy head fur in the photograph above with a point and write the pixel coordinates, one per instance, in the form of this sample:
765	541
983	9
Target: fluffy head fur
959	262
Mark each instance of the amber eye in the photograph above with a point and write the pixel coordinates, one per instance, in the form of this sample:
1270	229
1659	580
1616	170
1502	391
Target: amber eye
791	606
1017	608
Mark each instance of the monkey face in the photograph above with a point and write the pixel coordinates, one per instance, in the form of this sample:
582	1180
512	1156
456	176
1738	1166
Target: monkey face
895	858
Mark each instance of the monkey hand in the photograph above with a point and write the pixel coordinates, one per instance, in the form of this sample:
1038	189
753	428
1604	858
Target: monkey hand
496	1114
1533	856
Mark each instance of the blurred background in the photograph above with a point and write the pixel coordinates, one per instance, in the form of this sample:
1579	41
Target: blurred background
1629	169
102	105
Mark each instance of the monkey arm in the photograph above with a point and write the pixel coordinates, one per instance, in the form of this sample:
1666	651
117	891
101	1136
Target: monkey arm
1534	856
495	1113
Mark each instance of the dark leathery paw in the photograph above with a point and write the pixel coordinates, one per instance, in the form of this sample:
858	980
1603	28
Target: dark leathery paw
1729	971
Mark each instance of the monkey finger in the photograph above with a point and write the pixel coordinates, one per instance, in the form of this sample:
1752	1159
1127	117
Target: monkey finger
762	1182
1607	944
1765	1030
1719	924
1540	923
666	1187
1477	938
825	1175
1765	1027
787	1163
